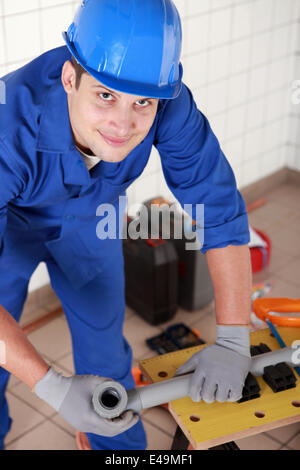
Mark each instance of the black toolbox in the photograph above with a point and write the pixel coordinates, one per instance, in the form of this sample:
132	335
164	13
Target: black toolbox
195	289
151	278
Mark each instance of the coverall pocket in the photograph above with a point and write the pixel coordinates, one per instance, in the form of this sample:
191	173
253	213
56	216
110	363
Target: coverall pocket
82	254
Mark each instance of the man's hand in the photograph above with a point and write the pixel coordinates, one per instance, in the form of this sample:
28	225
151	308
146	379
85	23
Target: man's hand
71	397
220	369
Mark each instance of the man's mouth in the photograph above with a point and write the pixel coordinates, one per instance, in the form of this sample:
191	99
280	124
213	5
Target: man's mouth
113	141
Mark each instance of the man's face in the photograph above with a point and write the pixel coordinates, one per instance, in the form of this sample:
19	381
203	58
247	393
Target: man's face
104	122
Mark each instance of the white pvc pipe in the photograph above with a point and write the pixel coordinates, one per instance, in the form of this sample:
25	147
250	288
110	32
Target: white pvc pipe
163	392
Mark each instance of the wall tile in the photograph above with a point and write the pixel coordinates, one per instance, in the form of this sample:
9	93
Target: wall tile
197	7
218	63
61	16
262	15
220	27
242	20
240	56
18	6
197	30
250	171
255	113
281	42
238	89
216	97
261	45
29	46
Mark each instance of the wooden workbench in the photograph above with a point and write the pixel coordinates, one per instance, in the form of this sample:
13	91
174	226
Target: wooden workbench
207	425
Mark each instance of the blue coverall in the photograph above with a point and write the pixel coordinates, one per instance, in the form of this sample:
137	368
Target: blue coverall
48	203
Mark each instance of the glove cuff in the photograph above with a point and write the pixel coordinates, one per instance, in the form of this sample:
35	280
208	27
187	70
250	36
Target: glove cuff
236	338
53	388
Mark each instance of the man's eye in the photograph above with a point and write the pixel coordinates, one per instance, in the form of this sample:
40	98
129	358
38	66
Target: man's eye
106	96
143	103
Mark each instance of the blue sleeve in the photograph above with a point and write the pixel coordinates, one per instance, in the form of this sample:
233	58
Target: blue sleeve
197	172
11	185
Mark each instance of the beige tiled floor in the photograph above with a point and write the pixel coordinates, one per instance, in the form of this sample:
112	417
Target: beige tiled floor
37	426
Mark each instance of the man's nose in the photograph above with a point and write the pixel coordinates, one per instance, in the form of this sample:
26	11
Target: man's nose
122	122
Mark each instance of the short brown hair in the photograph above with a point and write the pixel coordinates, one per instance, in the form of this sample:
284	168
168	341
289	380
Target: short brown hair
79	70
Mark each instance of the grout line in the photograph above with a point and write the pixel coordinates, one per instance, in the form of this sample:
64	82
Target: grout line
32	407
157	427
283	444
61	427
247	70
293	437
34	10
8	443
287	281
240	39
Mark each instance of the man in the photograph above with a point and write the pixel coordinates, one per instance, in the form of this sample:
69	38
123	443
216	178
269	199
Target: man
77	130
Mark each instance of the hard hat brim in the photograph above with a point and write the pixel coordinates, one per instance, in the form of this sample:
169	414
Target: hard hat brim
123	86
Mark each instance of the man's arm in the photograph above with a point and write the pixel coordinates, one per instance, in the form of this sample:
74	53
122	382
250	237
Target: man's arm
220	369
231	274
21	358
66	395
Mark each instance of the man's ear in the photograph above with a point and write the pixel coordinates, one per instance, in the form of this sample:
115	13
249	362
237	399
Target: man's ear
68	77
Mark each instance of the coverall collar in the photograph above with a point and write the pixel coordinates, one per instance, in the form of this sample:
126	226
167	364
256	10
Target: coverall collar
55	133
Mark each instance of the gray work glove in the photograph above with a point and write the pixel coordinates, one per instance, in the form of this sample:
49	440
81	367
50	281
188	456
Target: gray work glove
221	368
71	397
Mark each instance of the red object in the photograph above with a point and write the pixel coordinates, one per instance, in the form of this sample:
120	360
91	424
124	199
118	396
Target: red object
138	377
260	257
141	382
155	241
255	205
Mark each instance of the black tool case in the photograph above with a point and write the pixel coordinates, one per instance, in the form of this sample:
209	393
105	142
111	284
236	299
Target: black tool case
151	278
195	289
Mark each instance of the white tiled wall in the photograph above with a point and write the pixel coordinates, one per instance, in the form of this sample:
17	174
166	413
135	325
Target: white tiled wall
293	150
239	59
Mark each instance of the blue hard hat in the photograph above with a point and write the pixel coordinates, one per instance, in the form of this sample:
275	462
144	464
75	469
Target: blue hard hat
131	46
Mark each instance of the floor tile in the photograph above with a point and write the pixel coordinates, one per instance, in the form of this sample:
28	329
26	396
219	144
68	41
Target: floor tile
272	216
23	392
260	222
295	224
285	433
279	260
136	331
31	314
13	381
24	418
286	240
157	439
53	339
60	422
291	273
128	312
46	436
294	443
258	442
283	288
206	327
286	195
66	363
189	318
161	418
